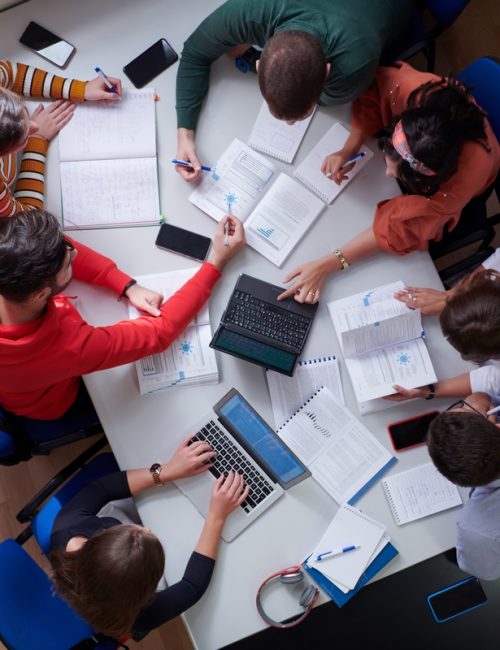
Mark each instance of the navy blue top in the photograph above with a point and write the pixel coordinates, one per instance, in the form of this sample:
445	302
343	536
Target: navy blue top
78	517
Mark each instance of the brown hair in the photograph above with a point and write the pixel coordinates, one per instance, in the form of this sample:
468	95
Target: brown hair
12	127
470	319
111	577
465	448
292	72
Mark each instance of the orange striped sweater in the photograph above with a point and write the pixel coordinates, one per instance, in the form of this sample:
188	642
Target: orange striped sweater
29	188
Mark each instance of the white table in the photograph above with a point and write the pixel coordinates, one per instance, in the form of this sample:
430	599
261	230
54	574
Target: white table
145	429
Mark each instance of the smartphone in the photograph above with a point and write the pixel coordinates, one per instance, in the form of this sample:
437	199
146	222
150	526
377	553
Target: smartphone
412	432
49	46
457	599
183	242
150	63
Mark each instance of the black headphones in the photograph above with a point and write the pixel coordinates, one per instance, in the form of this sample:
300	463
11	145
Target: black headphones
308	598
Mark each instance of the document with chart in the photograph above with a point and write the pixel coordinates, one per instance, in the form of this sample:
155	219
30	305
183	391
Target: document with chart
383	343
189	360
342	455
277	211
108	163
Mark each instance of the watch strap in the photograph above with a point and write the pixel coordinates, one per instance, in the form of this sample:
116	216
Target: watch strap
344	262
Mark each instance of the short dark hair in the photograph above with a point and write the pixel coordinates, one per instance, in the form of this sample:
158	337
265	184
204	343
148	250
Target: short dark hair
470	319
440	117
32	252
292	71
465	448
12	127
111	577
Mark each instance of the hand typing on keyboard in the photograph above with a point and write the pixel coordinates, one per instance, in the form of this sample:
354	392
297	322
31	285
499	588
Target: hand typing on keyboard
190	459
228	493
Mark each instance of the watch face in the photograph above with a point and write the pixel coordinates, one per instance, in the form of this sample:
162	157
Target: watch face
156	467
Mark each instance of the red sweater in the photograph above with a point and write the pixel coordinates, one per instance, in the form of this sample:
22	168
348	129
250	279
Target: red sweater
41	361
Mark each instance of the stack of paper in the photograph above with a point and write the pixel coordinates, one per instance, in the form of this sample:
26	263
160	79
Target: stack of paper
349	527
189	360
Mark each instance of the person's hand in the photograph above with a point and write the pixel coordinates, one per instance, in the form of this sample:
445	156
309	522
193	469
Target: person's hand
332	166
220	253
51	120
228	493
430	301
403	394
188	460
186	151
309	278
96	89
144	299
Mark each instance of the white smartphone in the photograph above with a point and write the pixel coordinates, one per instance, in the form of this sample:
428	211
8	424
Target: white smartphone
49	46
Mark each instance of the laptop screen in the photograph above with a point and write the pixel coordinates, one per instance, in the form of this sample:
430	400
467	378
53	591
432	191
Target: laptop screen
253	350
253	432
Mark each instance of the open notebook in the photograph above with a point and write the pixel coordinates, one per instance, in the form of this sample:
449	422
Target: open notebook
277	211
108	163
189	360
309	171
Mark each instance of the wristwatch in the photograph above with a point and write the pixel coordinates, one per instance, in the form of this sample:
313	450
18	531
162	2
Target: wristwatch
432	392
344	263
246	61
155	470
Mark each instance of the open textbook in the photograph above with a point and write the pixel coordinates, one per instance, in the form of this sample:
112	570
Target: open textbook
277	210
309	171
275	137
108	163
382	341
343	456
189	360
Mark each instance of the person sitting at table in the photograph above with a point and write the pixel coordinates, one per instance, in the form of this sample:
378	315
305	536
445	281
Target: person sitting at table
470	320
45	345
20	132
108	571
438	144
464	444
321	50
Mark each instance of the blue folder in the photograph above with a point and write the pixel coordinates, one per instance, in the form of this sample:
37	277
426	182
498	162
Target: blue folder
338	596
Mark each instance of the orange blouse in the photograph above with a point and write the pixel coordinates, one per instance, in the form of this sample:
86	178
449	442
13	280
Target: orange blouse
408	222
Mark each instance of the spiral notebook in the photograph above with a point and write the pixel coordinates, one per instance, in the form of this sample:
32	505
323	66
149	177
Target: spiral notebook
275	137
419	492
309	171
289	393
342	455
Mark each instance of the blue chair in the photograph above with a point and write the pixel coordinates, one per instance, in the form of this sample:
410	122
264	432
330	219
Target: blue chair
474	226
22	437
32	615
416	39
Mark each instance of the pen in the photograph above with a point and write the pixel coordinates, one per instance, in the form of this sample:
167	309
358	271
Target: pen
226	230
493	411
359	155
106	80
183	163
338	551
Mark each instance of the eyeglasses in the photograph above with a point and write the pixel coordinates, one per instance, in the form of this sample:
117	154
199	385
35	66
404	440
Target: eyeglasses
461	403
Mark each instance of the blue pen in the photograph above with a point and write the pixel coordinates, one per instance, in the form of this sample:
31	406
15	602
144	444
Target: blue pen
359	155
183	163
335	552
106	80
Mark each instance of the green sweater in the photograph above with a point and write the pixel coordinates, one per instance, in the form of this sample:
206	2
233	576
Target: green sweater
352	33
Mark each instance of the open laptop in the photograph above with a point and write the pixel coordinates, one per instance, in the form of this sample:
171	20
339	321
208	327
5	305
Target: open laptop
245	443
257	328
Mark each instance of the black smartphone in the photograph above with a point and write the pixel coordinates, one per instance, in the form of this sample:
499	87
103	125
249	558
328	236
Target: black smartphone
411	432
150	63
456	599
49	46
183	242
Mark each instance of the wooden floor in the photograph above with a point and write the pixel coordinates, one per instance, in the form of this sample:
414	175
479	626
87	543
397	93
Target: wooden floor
475	33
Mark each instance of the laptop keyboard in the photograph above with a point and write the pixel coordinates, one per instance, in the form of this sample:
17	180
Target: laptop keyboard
261	317
229	457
